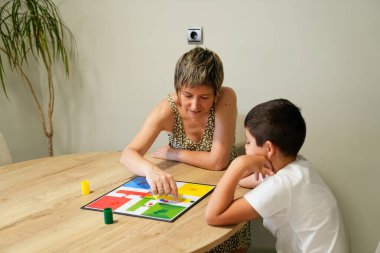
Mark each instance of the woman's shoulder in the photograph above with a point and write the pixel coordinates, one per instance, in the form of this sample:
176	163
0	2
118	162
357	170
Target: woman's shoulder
162	114
228	90
163	108
227	94
227	98
173	97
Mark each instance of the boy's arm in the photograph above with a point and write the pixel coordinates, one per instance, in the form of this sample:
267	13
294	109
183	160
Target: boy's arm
222	209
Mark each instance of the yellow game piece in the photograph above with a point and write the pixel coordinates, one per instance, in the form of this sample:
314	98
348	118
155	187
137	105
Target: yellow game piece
85	187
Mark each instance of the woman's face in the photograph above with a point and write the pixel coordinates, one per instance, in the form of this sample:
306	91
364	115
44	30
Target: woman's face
196	102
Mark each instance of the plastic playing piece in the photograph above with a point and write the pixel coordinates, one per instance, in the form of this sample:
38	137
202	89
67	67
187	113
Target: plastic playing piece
85	187
108	218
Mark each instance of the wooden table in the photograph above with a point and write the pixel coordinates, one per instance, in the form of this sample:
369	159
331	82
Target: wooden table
40	211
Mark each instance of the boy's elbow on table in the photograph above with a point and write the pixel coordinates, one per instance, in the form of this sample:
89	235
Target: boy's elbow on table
213	218
210	218
217	221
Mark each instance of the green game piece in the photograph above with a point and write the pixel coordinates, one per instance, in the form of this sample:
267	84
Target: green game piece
108	219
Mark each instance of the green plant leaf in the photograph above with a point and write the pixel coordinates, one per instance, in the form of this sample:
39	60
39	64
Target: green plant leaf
34	29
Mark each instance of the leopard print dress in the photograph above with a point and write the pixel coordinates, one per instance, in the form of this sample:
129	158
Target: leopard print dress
179	140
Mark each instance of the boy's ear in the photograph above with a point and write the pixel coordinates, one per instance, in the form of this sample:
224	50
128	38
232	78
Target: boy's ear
270	149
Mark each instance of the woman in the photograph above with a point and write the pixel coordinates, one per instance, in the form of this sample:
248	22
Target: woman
200	118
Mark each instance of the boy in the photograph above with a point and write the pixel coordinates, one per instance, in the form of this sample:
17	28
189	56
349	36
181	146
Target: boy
297	207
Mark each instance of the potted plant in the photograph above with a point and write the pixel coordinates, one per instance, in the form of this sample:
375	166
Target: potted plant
34	29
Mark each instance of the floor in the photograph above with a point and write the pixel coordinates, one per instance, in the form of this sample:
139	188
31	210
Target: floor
262	240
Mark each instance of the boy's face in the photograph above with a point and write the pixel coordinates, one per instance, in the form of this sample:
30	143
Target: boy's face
251	147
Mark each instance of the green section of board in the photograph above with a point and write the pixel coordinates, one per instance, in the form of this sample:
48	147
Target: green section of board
164	211
138	204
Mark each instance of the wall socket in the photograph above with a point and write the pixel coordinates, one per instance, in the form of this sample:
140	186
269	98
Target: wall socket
194	35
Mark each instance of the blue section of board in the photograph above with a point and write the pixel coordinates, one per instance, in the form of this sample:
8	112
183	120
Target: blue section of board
138	182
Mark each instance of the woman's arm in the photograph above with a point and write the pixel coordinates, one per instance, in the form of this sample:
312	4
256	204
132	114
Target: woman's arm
132	155
223	209
224	135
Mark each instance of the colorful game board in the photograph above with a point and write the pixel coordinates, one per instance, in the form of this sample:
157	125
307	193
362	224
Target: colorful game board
134	198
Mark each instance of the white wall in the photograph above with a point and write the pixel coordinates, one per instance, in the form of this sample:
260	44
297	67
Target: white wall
322	55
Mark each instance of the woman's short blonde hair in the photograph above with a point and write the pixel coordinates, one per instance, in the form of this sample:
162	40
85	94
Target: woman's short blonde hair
199	67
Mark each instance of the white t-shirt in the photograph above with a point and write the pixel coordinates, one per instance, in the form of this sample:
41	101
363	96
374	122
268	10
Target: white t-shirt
299	209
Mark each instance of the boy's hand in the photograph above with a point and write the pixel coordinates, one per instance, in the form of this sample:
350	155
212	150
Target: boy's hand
264	167
255	163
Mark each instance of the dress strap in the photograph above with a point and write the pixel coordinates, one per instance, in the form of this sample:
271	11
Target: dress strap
172	104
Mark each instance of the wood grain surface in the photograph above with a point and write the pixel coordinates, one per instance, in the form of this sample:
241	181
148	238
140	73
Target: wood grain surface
40	211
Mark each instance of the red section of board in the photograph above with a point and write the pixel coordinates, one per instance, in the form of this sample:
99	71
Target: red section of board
109	201
142	194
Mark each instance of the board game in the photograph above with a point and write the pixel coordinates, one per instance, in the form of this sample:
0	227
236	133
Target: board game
135	199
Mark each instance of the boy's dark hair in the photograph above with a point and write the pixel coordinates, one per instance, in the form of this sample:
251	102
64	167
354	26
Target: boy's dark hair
280	122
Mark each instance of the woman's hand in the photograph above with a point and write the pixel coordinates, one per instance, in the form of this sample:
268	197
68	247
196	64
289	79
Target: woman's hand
164	152
161	183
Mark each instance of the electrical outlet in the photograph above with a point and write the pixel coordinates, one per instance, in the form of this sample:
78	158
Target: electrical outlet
194	35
